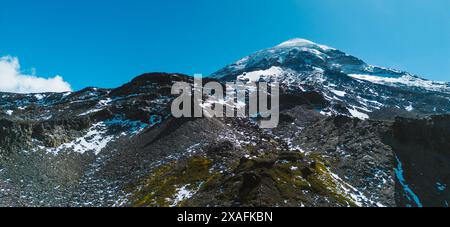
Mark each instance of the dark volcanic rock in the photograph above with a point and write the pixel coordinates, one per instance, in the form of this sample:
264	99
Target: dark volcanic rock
422	147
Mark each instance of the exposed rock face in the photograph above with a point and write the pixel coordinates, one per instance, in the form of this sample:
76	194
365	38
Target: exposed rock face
357	152
340	141
53	145
422	148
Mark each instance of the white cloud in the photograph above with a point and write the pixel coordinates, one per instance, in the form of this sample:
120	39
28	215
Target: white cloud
13	80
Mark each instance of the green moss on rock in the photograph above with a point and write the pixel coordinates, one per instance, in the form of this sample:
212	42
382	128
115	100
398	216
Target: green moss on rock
270	179
161	187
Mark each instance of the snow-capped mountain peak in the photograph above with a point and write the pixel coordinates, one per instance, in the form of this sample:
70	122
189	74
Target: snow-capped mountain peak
300	42
344	80
296	42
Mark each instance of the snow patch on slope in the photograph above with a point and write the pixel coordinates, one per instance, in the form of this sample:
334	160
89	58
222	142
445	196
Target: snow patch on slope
101	105
407	80
338	93
95	140
261	74
355	113
183	193
356	195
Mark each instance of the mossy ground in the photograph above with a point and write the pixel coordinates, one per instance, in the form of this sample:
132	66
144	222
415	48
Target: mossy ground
271	179
160	188
294	176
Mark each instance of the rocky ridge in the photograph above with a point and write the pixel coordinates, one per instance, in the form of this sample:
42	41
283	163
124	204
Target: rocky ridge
350	134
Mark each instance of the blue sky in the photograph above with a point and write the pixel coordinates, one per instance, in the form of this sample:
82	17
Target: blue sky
106	43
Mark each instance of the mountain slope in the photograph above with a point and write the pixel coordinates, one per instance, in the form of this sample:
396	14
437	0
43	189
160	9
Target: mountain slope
340	141
364	90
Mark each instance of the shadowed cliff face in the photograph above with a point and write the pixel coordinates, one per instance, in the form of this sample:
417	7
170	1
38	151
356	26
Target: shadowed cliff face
422	147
